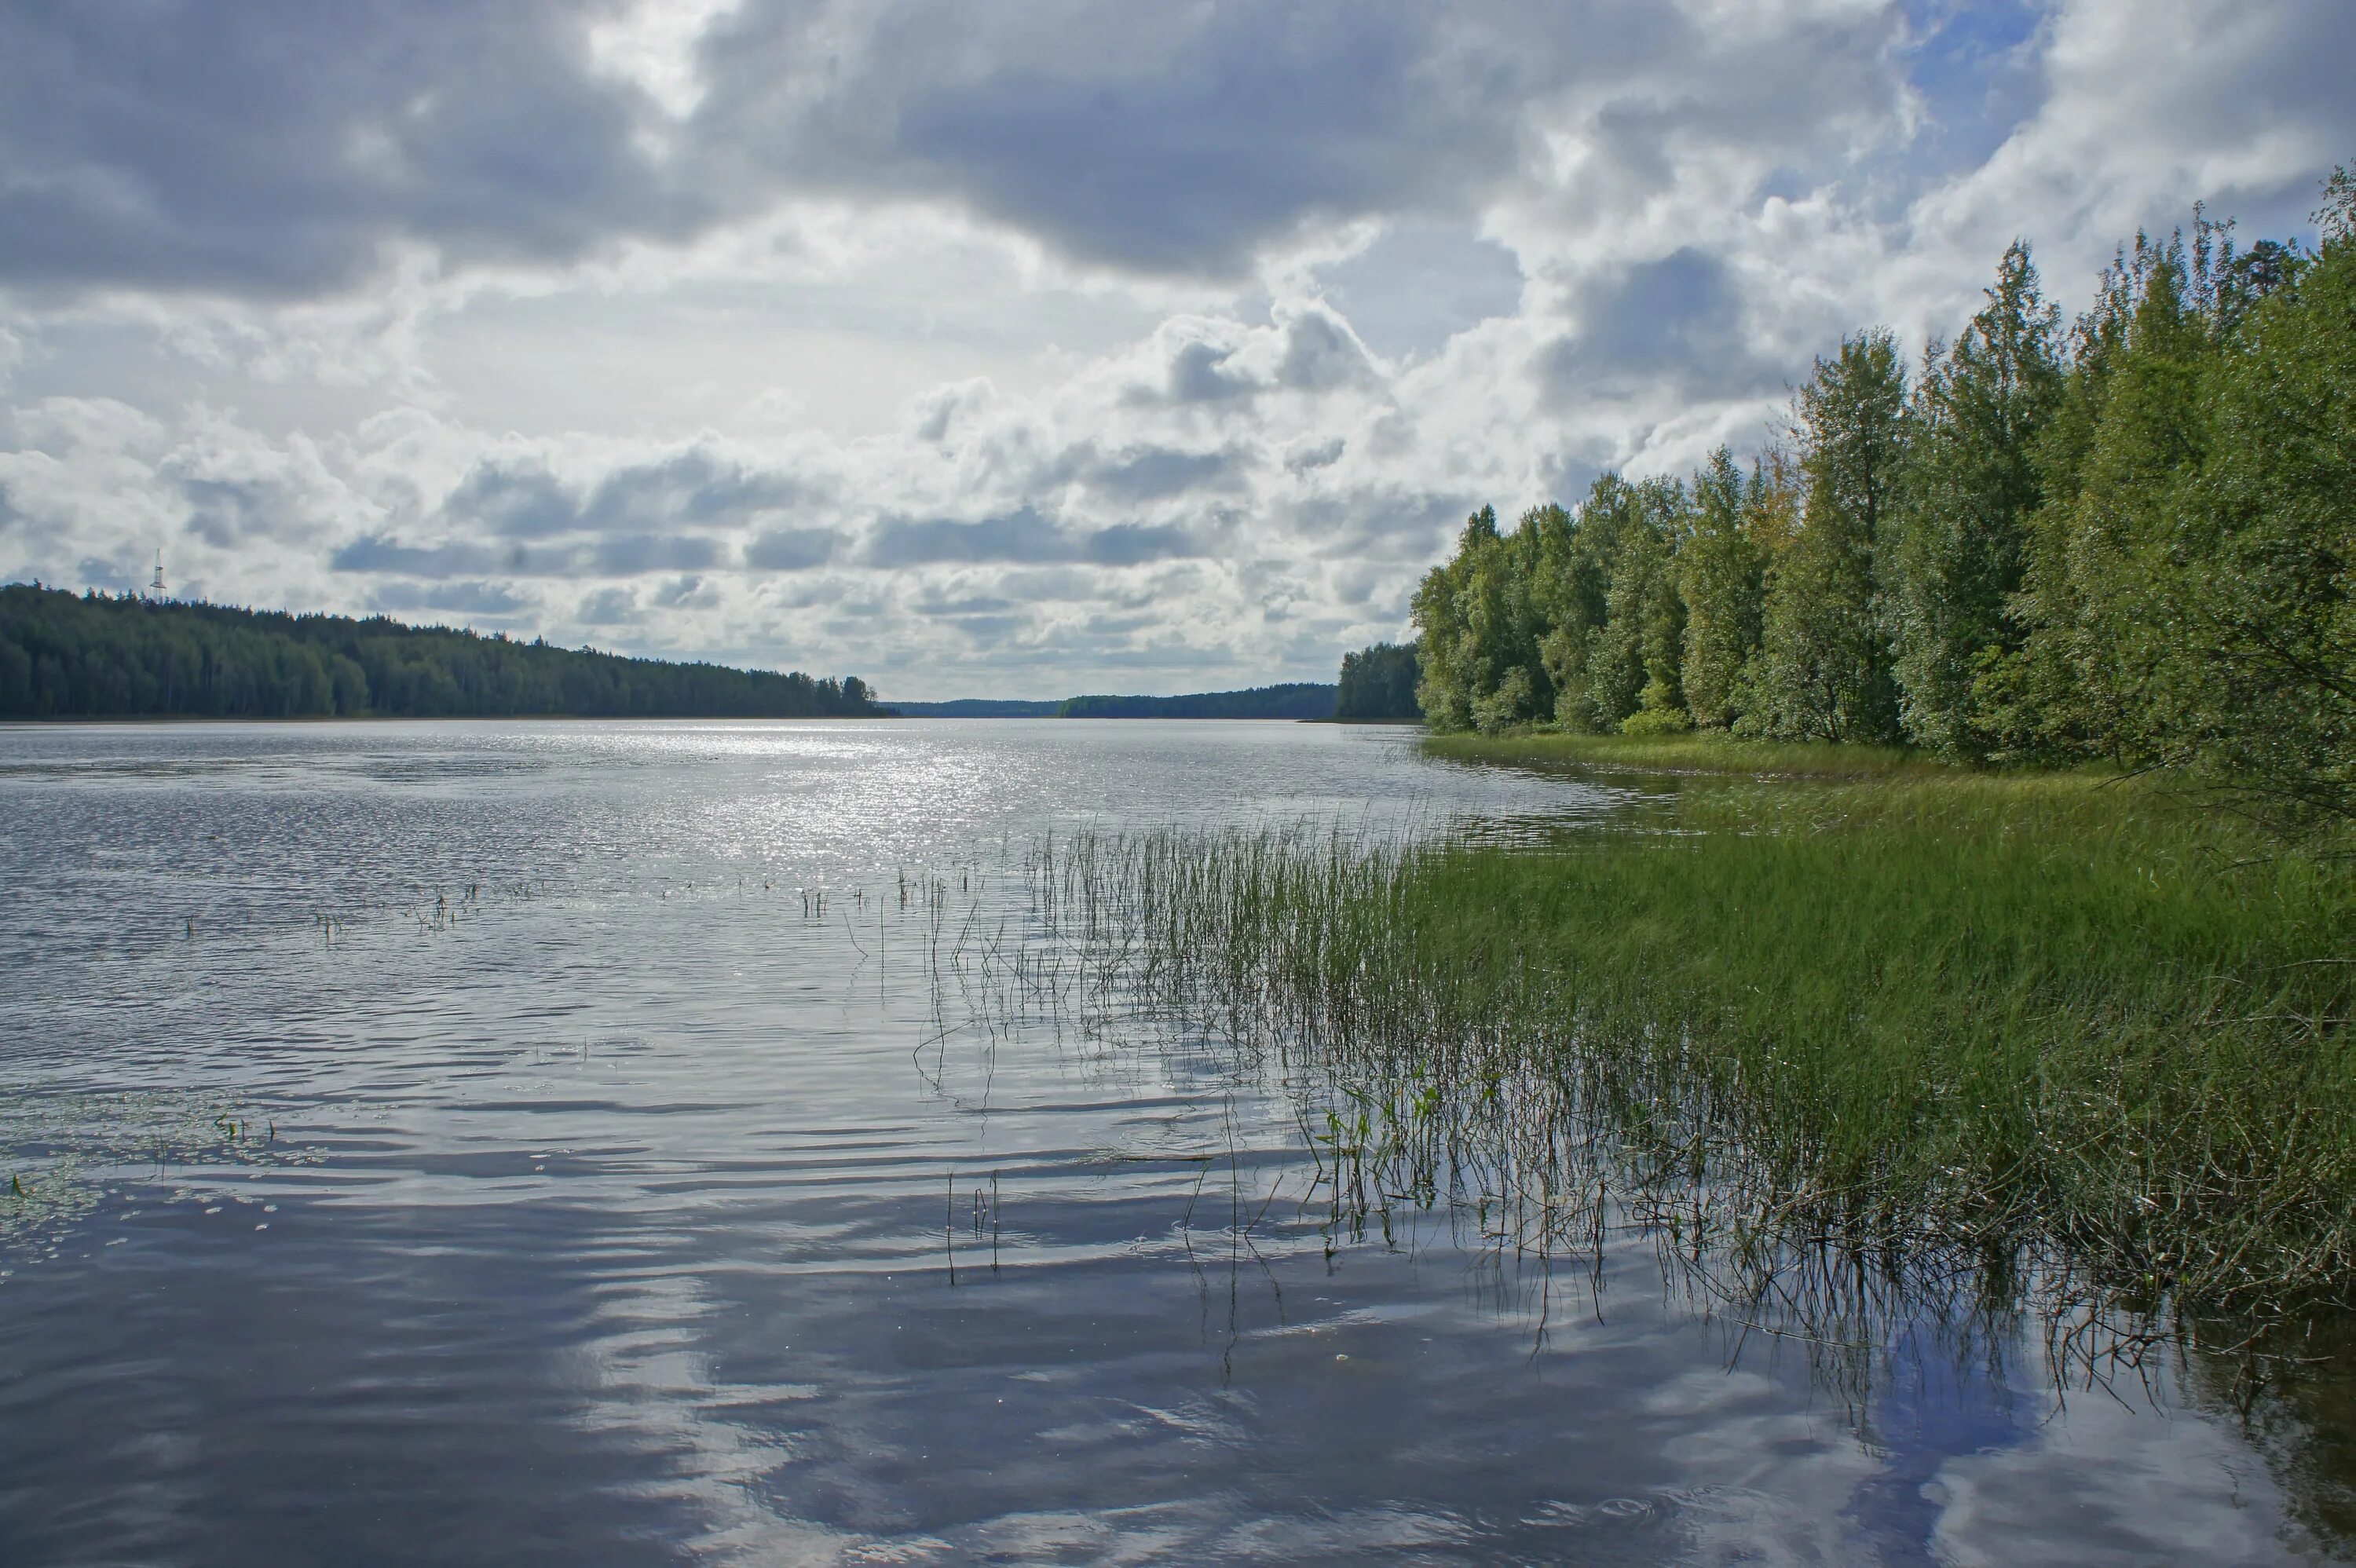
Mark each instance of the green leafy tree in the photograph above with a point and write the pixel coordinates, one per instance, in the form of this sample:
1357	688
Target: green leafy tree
1450	620
2101	673
1595	686
1722	572
2270	604
1825	669
1378	682
1480	620
1638	680
1960	511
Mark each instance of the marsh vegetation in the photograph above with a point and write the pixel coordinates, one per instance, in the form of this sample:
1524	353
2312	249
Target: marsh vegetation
2053	1044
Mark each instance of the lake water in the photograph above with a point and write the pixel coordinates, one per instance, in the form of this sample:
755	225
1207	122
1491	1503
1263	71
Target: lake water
483	1143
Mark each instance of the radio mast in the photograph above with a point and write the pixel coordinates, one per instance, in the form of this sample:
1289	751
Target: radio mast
156	588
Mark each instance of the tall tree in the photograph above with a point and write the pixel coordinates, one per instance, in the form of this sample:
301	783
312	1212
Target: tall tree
1641	649
1960	511
1455	676
1595	687
1377	682
2270	607
1826	669
1723	574
1479	622
2100	673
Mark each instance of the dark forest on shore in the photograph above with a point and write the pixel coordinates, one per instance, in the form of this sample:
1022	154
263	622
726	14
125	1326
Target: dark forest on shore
69	655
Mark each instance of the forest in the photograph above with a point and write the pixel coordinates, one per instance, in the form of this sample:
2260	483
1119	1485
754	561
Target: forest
67	655
1295	699
1378	683
2130	540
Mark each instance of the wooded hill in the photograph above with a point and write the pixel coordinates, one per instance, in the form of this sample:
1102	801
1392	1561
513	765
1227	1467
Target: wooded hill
94	655
1295	699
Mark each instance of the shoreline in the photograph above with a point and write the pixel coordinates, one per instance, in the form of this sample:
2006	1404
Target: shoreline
1706	753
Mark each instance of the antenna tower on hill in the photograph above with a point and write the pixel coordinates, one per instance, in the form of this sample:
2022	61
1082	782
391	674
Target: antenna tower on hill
156	588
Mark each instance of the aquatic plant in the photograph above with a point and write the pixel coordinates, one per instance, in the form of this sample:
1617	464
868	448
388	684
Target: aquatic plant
2025	1031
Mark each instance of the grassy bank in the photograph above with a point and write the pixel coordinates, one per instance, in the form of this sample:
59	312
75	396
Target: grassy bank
2041	1025
1695	752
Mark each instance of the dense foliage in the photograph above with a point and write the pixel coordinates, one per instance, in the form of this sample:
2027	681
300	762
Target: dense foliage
1297	699
2134	540
1378	682
90	656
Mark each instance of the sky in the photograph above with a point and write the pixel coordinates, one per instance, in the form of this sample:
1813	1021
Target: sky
1025	348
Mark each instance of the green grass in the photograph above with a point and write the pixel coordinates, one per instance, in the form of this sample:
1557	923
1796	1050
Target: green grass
1698	752
2042	1023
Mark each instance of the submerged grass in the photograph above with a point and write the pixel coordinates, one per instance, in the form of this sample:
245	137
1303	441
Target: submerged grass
2045	1025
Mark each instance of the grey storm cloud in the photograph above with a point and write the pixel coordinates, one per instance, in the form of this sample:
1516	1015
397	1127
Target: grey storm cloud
1199	374
970	605
610	607
1318	353
276	146
1379	524
1306	455
460	598
1154	473
624	555
1321	354
679	592
518	518
692	490
227	513
383	553
1679	320
618	555
1168	138
792	549
1022	536
519	503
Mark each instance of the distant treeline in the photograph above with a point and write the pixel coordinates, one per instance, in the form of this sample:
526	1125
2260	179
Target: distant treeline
1379	682
977	708
1298	700
91	655
2133	540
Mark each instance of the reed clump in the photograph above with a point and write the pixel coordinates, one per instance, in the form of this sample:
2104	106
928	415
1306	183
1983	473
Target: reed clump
2044	1025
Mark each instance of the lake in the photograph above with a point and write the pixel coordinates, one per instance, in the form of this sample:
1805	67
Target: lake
593	1142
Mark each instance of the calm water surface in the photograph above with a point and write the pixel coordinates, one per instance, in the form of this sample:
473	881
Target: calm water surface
477	1143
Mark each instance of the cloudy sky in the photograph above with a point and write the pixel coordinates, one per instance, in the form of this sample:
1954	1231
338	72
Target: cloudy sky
1018	348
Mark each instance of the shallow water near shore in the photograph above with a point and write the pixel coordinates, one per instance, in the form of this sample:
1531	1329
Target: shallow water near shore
572	1143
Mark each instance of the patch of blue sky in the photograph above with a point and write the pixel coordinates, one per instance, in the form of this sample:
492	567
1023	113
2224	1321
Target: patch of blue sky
1978	67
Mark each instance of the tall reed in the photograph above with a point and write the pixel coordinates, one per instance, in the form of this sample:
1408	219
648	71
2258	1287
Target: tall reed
2033	1025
